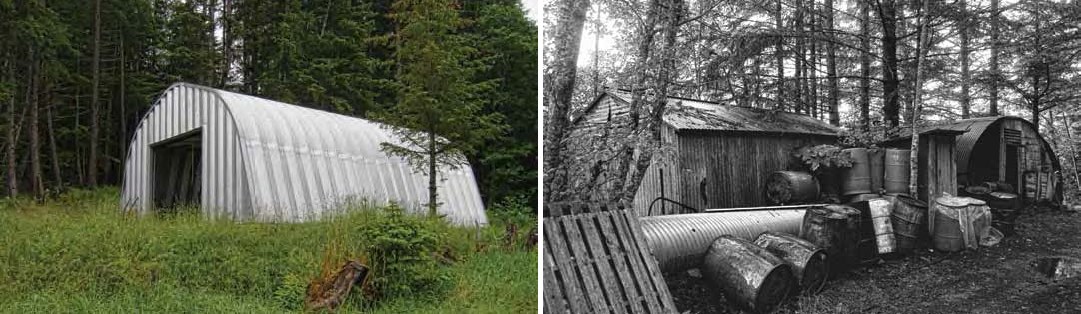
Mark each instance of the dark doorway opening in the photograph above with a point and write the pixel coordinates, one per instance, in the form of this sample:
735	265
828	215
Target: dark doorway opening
177	179
1011	176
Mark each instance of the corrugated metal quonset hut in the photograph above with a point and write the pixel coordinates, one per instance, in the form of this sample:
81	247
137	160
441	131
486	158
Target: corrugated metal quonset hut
249	158
714	155
1008	149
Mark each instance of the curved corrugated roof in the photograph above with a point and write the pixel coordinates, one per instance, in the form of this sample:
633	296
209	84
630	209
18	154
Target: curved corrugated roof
975	129
300	162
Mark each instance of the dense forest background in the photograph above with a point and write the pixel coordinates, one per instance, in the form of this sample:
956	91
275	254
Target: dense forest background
871	66
77	76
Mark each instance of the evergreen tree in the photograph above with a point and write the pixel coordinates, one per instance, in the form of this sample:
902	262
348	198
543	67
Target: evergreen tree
438	116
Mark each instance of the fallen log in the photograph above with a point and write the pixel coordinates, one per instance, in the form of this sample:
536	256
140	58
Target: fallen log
330	294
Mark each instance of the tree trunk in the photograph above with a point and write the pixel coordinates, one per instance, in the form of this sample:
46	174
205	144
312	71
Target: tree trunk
890	107
12	180
95	124
966	77
831	67
35	139
779	50
865	64
570	17
433	204
921	52
993	62
1073	150
123	140
49	116
800	61
813	68
648	146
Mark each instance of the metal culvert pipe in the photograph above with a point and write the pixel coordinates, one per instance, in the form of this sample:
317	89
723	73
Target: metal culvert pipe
679	241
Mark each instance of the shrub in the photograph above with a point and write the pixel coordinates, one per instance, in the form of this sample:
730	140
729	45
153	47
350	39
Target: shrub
401	249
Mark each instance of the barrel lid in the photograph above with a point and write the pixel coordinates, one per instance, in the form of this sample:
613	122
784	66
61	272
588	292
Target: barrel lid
977	202
952	201
842	209
1004	195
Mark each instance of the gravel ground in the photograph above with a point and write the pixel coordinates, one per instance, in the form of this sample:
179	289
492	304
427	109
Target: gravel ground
999	279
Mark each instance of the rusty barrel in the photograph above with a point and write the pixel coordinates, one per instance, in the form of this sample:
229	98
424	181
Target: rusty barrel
857	178
946	227
875	159
896	177
808	262
791	187
833	228
909	219
866	244
750	276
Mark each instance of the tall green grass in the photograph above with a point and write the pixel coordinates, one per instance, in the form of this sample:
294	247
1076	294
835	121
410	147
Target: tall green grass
79	254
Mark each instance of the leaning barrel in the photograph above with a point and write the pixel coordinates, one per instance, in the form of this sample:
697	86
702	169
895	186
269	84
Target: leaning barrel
678	241
808	262
897	171
791	187
880	218
909	219
833	228
857	178
750	276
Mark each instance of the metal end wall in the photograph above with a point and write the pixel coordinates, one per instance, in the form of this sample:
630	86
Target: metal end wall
269	161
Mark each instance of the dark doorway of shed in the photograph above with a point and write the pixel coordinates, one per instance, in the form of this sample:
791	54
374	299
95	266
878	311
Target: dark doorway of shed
177	171
1012	167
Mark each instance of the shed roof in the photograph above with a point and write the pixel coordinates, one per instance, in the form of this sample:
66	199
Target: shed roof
297	162
692	114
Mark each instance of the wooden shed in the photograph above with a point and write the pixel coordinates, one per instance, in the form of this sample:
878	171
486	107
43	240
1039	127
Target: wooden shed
1005	149
713	155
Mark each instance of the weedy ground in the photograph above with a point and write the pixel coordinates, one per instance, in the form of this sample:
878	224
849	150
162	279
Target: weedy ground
77	253
999	279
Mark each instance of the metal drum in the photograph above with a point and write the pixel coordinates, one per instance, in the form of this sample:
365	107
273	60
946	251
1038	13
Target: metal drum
909	219
808	262
897	171
946	227
875	159
835	229
750	276
791	187
856	179
880	218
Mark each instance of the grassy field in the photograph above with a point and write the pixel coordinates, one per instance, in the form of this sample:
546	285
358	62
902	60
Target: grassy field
999	279
77	253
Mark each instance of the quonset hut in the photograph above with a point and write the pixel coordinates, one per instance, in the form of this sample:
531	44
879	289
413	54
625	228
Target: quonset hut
248	158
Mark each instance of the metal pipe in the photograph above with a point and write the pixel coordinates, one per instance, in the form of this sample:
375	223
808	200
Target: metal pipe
678	242
752	209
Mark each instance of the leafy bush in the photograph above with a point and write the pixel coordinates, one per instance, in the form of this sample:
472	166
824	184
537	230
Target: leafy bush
869	137
819	156
401	249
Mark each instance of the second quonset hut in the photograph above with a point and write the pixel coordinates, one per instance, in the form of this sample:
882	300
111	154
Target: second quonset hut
713	155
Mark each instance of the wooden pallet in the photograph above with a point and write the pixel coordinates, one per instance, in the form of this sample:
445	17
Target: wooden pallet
596	261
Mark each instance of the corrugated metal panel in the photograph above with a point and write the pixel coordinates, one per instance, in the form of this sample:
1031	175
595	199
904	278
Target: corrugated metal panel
270	161
691	114
679	241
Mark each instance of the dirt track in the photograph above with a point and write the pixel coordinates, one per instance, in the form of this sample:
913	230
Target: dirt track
1000	279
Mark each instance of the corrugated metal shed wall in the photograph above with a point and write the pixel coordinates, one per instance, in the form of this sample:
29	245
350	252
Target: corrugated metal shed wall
728	169
270	161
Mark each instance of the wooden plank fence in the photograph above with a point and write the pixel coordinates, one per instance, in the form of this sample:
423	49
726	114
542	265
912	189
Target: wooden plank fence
596	261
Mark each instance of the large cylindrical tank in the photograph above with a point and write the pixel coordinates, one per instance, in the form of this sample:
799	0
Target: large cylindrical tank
897	170
857	178
679	241
876	157
808	262
750	276
791	187
834	228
